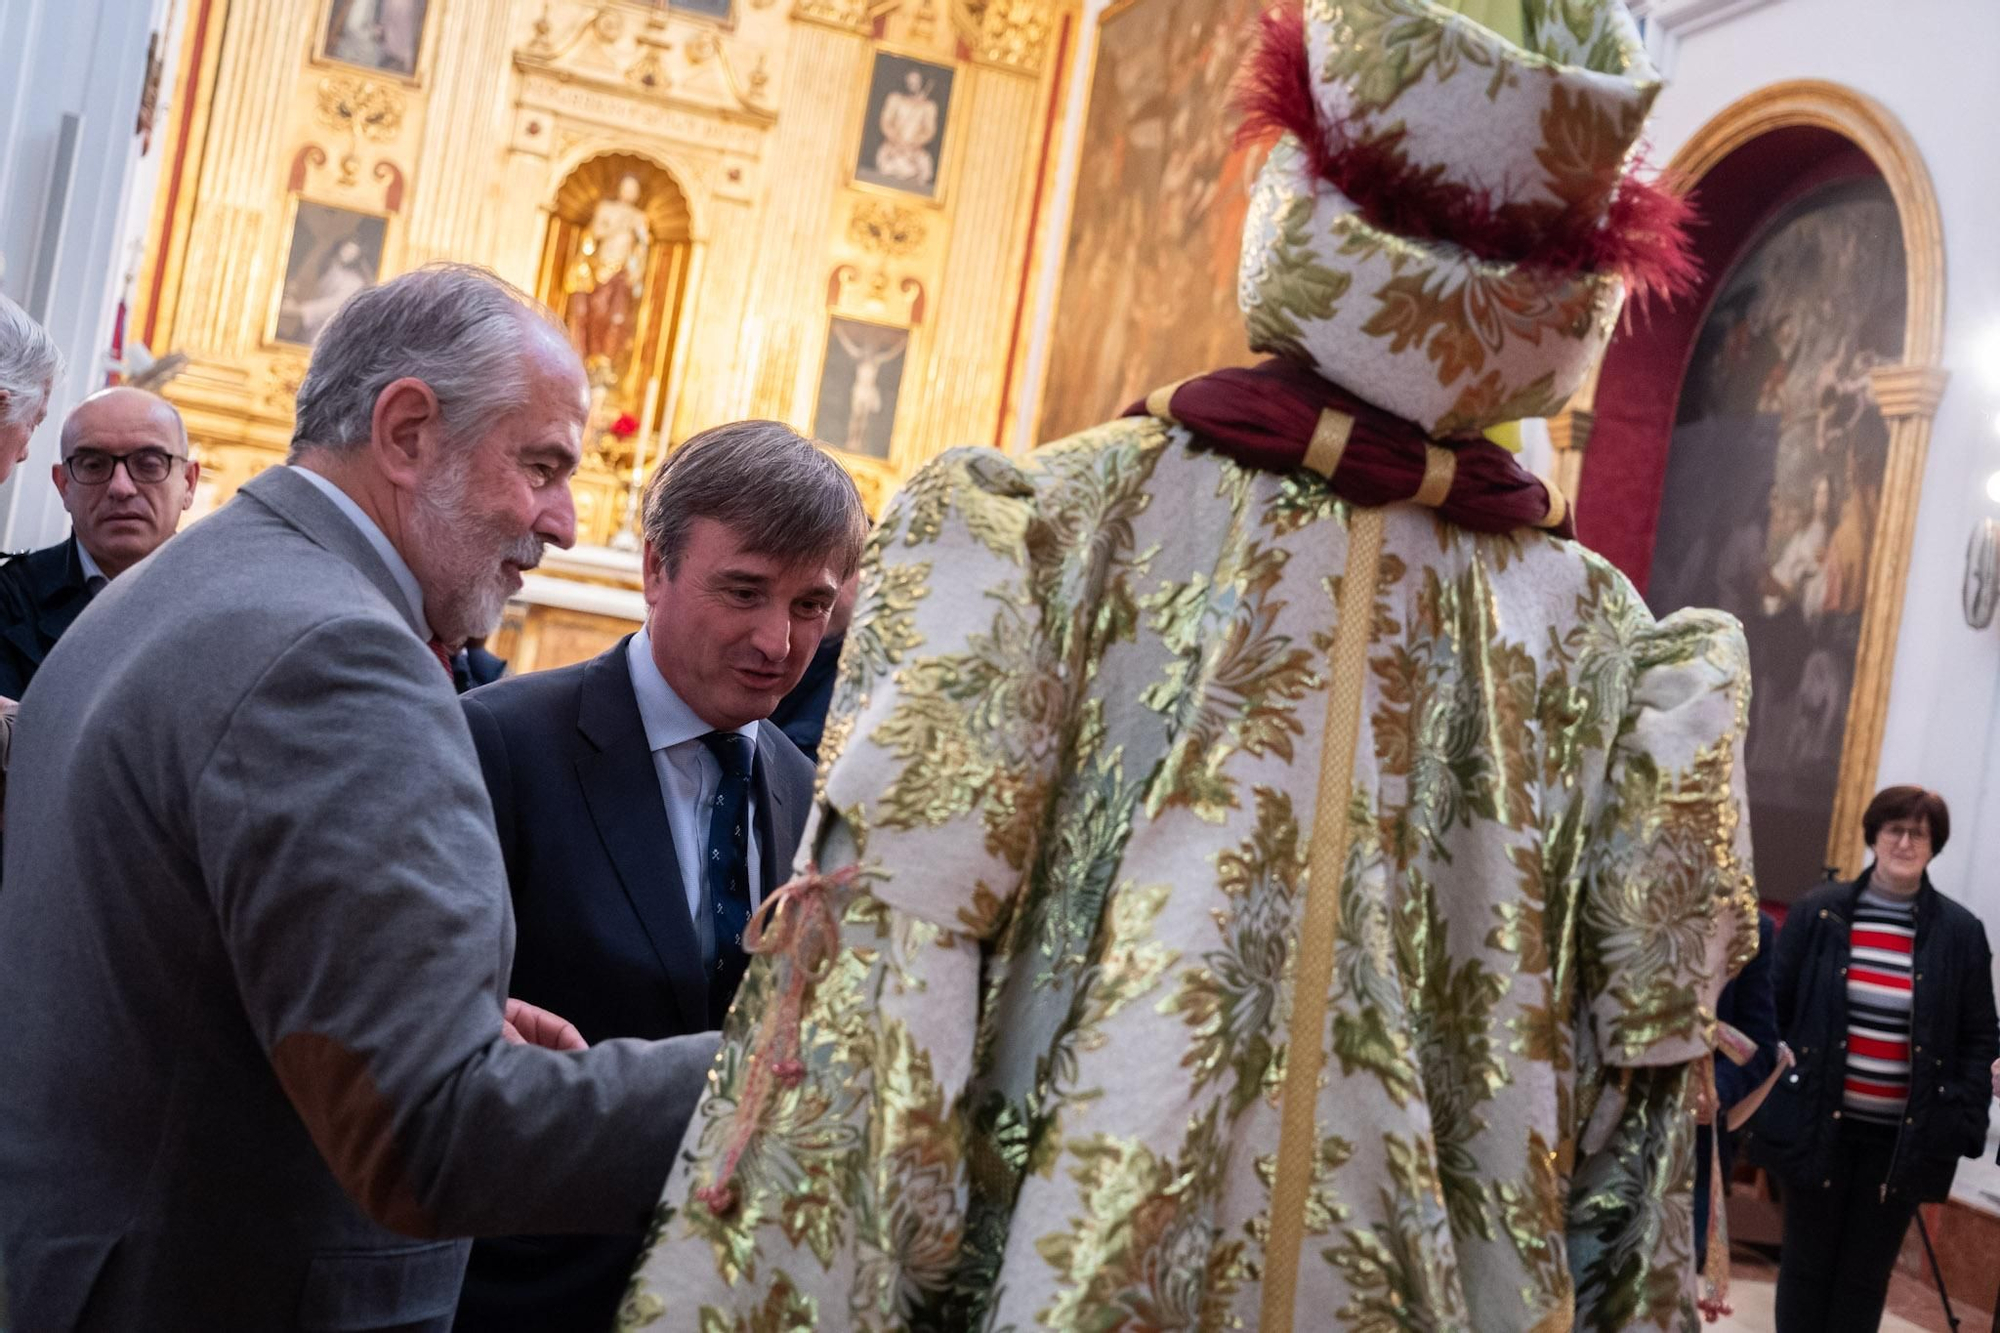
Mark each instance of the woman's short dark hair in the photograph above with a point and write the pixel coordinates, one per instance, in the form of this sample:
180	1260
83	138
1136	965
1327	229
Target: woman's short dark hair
1893	803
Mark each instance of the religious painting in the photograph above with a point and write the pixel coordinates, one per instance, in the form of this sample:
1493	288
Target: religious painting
858	385
1148	283
335	253
714	9
381	35
909	102
1773	486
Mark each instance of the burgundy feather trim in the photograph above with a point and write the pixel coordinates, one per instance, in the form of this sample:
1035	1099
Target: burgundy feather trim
1642	237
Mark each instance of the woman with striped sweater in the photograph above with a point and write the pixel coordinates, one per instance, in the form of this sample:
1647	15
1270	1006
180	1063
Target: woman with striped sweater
1885	995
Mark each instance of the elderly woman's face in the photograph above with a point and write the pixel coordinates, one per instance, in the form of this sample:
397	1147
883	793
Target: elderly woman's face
14	438
1903	846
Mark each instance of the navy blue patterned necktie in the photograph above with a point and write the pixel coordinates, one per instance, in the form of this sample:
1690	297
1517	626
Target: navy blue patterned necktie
726	867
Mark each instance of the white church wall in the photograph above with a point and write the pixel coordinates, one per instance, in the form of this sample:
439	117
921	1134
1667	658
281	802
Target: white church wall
87	59
1930	63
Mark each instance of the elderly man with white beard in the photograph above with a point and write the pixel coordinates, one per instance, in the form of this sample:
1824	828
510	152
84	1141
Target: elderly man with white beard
261	1069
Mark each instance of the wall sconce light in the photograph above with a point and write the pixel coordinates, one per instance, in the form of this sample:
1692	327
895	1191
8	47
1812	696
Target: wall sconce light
1982	567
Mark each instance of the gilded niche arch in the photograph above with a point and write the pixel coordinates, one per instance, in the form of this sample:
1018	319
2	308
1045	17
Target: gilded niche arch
617	258
1630	410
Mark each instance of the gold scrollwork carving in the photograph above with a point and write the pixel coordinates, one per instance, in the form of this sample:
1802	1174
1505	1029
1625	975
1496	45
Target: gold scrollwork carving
1013	34
890	230
853	15
366	110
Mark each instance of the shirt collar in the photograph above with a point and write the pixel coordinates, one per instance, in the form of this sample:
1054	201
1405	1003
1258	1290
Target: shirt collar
665	715
399	568
90	567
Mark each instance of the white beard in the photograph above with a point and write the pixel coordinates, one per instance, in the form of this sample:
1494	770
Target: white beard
465	551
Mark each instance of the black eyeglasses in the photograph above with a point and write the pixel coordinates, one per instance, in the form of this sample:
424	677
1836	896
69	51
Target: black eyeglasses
92	467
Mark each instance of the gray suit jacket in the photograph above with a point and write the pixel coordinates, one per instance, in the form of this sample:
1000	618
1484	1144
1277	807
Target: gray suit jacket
254	938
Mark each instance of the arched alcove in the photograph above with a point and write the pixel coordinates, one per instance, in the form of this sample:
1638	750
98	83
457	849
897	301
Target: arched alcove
1759	172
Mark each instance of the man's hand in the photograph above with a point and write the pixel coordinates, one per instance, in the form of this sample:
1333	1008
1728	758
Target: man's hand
525	1025
1996	1078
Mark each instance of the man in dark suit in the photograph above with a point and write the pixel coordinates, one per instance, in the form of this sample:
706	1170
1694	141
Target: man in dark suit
645	805
126	479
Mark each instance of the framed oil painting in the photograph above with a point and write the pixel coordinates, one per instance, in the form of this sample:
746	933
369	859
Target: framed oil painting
385	36
335	252
1773	485
1148	285
859	382
902	137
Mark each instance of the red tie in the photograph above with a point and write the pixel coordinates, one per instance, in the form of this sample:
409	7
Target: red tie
443	656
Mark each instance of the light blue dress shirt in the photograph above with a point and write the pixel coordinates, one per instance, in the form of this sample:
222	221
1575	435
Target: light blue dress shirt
688	776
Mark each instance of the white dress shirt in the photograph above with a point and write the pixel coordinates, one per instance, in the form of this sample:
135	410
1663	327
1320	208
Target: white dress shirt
688	775
399	568
91	569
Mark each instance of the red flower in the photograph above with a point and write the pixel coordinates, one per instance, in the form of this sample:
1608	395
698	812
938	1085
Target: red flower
626	426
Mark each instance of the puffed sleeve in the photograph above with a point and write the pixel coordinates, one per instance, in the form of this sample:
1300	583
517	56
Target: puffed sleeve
842	1200
1669	913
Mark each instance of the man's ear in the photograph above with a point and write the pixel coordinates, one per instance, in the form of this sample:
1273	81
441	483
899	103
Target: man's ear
653	577
193	479
404	430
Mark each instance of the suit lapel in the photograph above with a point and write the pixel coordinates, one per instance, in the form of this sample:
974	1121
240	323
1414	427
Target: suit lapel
622	789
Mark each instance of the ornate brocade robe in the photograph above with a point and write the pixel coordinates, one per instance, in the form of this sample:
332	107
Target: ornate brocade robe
1074	751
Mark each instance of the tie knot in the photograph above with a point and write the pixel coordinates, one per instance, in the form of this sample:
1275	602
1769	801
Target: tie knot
731	750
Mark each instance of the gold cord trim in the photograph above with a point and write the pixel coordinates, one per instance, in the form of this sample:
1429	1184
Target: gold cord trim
1159	403
1558	507
1329	441
1440	464
1305	1052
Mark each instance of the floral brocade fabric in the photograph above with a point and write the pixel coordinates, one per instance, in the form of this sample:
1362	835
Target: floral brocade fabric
1074	752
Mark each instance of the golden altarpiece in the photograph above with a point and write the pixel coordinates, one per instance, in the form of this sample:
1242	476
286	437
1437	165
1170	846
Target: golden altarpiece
820	211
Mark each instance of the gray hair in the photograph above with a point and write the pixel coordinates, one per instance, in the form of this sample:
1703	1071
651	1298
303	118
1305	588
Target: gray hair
29	364
457	327
780	493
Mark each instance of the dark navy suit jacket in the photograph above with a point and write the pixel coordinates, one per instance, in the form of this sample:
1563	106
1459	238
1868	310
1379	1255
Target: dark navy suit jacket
604	937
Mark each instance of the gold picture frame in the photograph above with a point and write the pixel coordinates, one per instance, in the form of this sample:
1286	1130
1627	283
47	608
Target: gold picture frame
866	129
274	314
420	47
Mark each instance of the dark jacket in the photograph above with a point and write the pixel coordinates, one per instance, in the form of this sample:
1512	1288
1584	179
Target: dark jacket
604	936
41	595
1953	1037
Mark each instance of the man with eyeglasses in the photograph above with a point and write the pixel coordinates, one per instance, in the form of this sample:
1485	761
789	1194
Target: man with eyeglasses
126	479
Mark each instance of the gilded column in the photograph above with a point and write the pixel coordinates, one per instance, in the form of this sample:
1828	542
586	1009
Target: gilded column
234	233
1908	397
806	166
724	345
959	400
452	197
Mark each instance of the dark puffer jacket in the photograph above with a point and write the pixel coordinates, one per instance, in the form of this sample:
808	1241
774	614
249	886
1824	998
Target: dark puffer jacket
1953	1037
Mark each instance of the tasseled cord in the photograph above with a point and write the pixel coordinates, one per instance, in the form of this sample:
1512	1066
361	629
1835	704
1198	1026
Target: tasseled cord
1642	237
799	921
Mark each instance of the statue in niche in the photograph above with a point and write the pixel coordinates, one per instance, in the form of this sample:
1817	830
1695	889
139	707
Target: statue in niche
909	126
603	287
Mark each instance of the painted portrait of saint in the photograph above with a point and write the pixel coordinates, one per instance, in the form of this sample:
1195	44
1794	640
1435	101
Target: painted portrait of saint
335	253
1148	284
1773	485
382	35
858	386
908	104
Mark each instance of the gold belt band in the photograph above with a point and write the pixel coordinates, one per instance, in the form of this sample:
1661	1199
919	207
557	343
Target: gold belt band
1440	464
1312	978
1328	442
1159	403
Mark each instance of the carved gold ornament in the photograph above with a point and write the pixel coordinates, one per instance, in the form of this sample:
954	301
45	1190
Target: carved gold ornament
1013	34
889	230
371	111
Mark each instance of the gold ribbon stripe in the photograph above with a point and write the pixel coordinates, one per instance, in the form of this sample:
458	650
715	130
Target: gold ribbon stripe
1159	403
1558	507
1328	442
1312	978
1440	464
